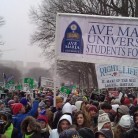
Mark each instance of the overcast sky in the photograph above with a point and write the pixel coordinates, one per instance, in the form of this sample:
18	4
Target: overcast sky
17	30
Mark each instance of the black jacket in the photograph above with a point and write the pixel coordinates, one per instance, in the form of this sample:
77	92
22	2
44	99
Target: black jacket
132	133
56	118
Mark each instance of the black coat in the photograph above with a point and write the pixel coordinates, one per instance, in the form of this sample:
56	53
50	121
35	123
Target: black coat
45	134
56	118
132	133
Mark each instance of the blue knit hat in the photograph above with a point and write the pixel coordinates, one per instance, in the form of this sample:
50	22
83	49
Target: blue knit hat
23	101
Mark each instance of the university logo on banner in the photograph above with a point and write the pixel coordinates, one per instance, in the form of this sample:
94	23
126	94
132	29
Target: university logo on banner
72	41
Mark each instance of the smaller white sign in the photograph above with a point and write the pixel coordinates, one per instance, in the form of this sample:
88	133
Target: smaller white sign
47	83
113	76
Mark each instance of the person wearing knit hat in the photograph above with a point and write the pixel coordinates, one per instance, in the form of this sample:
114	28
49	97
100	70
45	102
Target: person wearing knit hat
10	102
49	101
19	114
45	128
92	111
123	126
92	116
42	105
126	102
23	101
125	122
104	121
86	133
104	133
69	133
121	110
17	108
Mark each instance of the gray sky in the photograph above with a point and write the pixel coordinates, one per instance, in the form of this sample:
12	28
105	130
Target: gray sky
17	30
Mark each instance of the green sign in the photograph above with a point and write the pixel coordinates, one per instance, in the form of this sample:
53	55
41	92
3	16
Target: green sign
19	87
30	82
65	89
9	84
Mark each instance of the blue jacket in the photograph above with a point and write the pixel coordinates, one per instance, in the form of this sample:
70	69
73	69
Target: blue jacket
17	119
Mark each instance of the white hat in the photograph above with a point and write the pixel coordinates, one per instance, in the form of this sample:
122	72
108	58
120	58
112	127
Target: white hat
103	119
125	121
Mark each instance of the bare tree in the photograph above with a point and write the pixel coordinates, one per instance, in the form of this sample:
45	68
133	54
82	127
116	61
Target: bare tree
44	16
45	19
79	72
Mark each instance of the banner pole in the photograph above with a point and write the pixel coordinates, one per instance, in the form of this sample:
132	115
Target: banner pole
55	80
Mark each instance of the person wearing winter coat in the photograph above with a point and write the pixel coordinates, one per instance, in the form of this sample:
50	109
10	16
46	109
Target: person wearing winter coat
64	123
104	133
58	112
121	110
30	128
93	117
6	127
19	114
69	133
123	126
45	128
133	133
86	133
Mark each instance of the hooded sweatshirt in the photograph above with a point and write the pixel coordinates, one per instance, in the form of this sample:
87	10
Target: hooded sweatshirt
78	105
67	108
54	133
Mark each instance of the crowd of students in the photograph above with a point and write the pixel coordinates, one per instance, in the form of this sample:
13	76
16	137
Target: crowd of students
22	116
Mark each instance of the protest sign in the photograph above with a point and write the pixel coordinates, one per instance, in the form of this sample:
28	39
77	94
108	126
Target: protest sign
113	76
97	39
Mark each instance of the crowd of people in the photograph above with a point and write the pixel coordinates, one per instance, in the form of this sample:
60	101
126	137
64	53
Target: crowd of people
22	116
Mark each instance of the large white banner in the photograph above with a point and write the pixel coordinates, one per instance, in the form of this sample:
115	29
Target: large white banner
97	39
112	76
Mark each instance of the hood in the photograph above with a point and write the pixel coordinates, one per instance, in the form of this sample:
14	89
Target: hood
67	108
74	108
65	117
78	105
29	120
